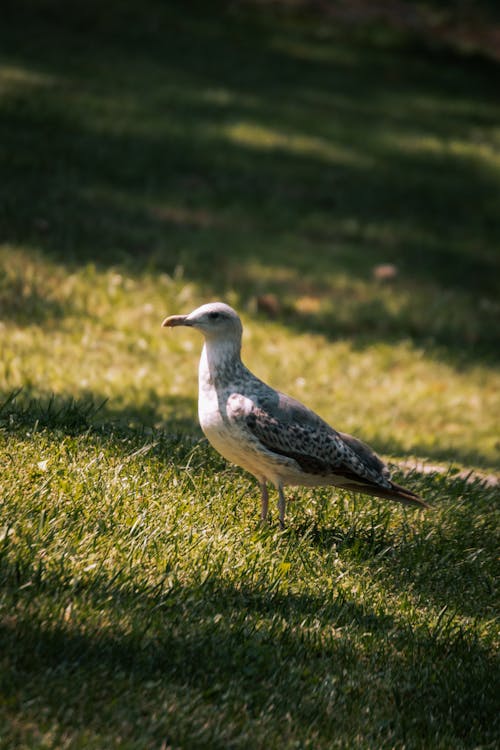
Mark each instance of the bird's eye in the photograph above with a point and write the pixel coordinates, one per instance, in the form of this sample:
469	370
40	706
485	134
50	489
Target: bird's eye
213	315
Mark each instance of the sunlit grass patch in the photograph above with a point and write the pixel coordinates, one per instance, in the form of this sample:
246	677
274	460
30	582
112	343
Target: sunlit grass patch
486	154
97	332
16	78
258	136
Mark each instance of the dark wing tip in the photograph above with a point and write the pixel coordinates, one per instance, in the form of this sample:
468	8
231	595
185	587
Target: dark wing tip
397	492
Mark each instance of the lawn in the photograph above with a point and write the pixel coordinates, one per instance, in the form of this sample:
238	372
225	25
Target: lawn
158	155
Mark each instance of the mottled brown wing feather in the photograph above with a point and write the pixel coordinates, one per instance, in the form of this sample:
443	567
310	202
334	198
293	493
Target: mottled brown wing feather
342	455
303	443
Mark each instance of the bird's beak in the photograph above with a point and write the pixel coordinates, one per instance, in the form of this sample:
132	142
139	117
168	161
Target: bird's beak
176	320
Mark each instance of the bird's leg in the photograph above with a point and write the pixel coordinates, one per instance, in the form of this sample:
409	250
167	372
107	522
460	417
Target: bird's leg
281	506
264	501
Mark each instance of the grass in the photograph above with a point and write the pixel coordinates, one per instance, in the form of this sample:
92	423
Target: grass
152	159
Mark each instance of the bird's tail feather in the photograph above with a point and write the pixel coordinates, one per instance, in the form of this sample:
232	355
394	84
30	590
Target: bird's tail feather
396	492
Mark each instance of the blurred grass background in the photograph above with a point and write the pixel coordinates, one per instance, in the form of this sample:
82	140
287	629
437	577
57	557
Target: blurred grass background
332	170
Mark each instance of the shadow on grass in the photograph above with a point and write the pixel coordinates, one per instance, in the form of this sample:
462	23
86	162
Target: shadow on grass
247	647
242	150
97	415
26	304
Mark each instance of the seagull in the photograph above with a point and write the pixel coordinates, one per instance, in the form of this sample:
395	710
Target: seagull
271	435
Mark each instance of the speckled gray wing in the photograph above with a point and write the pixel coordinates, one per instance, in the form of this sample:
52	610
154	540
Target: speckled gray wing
287	427
366	454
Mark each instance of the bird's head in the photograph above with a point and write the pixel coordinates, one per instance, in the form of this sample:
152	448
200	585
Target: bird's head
216	321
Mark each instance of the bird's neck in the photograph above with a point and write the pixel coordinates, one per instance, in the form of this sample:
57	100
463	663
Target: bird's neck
220	361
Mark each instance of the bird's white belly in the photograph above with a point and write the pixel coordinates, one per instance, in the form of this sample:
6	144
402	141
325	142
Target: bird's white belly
228	440
236	444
